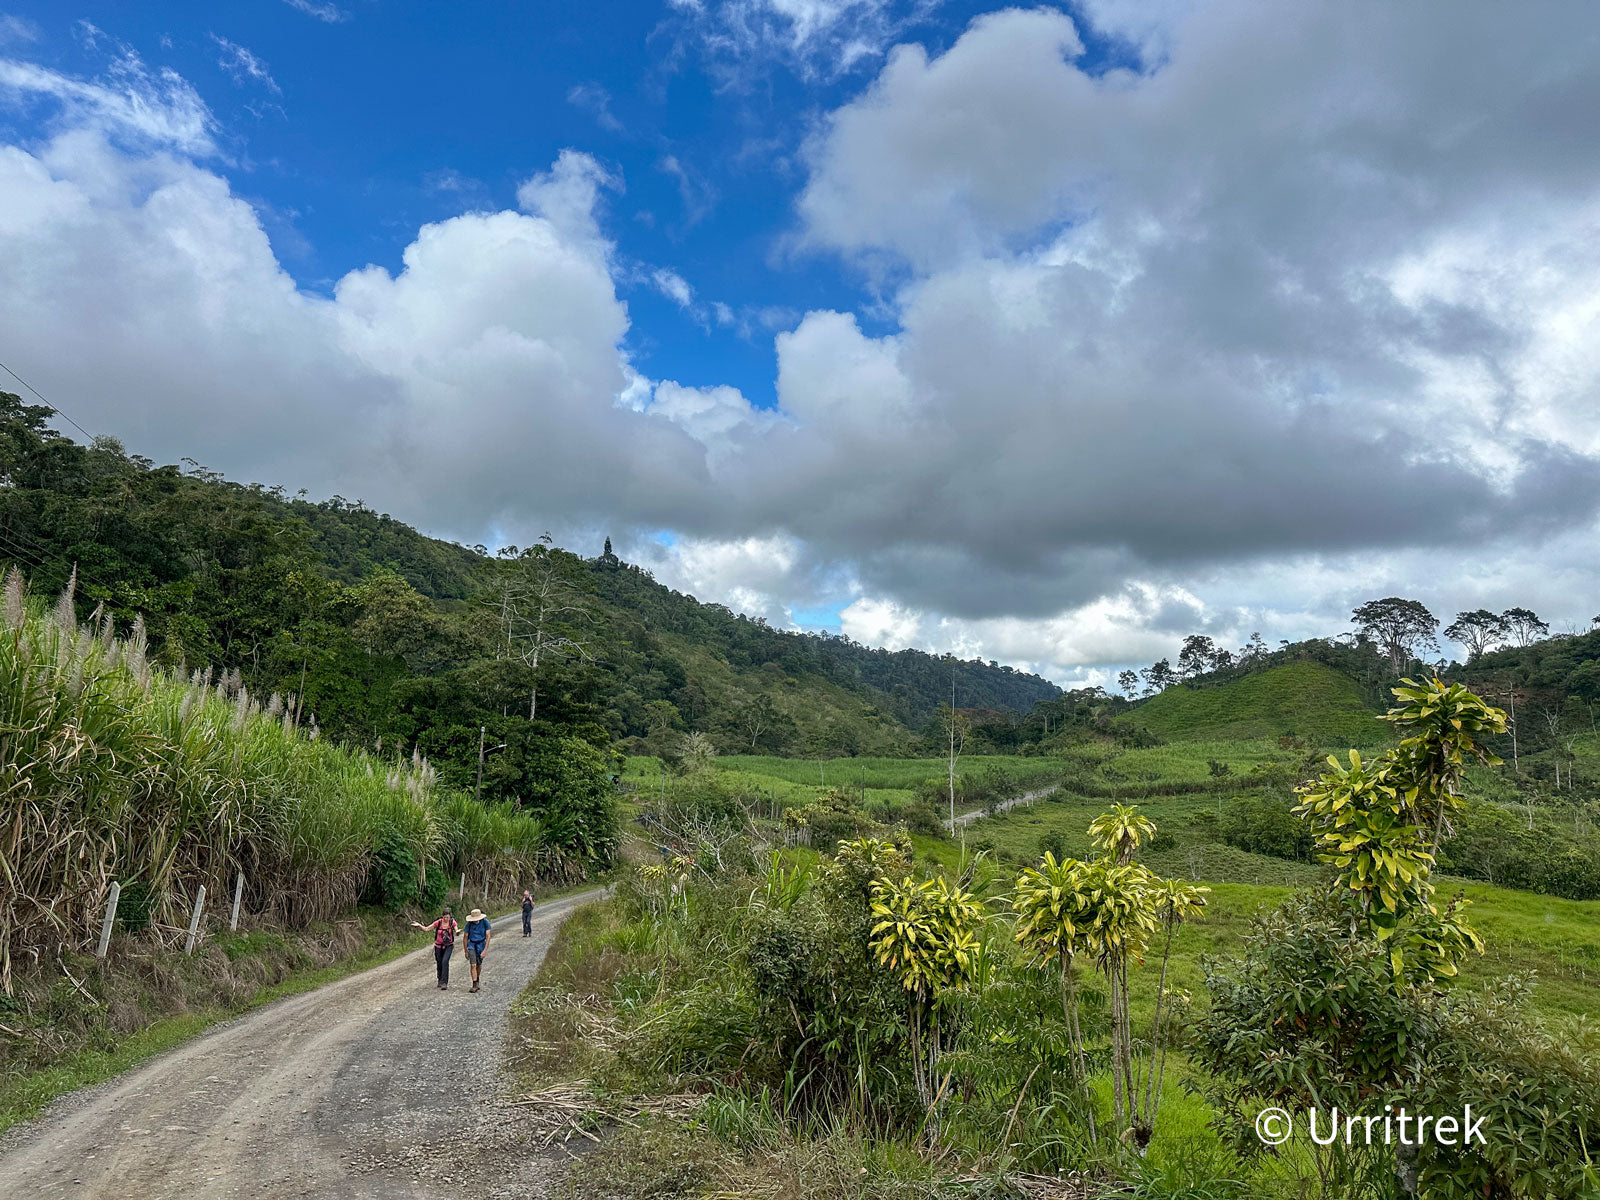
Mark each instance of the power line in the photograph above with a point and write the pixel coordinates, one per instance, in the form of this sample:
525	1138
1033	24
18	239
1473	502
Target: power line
45	402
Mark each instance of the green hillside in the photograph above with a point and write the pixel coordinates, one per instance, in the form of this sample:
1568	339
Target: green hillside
1306	699
391	637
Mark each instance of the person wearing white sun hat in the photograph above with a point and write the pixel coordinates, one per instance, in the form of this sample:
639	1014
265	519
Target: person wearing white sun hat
477	930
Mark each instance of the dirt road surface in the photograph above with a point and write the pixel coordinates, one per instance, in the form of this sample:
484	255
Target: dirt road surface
379	1085
977	814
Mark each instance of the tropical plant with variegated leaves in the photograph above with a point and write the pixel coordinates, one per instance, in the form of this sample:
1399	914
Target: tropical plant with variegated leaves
1446	724
926	934
1379	823
1121	831
1107	909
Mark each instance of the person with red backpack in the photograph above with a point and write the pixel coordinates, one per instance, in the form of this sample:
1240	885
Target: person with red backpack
444	944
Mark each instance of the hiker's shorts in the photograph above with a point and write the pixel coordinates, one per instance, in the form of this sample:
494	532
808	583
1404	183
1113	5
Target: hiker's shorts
475	954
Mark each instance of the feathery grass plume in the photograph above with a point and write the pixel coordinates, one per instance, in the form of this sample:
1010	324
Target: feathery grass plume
15	604
117	773
206	678
66	614
275	706
134	652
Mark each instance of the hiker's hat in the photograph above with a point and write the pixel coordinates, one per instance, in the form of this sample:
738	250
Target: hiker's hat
475	915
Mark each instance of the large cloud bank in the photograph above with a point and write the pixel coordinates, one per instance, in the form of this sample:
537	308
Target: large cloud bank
1303	304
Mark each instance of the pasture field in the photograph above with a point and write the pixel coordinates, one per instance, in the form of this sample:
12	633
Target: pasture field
685	994
1305	699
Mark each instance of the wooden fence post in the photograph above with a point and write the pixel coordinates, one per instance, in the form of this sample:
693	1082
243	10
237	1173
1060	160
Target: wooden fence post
238	895
462	894
111	916
194	921
486	891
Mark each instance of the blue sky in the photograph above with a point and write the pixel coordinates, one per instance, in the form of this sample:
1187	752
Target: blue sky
1047	334
360	128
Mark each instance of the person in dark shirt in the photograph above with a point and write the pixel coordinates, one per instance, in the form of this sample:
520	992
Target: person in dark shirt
477	929
444	944
527	914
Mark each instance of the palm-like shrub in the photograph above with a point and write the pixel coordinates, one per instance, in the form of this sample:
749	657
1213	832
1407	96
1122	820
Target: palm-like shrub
1121	831
925	933
1107	910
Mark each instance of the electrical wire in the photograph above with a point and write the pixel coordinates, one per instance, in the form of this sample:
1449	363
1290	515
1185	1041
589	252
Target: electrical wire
45	402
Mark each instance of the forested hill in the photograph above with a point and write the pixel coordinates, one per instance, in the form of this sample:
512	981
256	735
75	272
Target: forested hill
390	634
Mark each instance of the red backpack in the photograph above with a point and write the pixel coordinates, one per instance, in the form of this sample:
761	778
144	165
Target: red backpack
444	932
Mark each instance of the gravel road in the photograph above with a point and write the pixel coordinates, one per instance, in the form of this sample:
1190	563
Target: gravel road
977	814
378	1085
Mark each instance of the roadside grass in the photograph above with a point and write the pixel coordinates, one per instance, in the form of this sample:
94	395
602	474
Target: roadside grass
607	972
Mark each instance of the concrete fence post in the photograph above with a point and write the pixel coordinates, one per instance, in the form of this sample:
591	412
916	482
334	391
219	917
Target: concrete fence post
111	916
462	894
238	895
194	921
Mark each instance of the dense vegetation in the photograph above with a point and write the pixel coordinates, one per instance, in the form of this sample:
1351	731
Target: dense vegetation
899	1017
117	769
394	639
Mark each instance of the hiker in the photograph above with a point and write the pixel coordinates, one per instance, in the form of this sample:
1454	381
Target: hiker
444	944
477	943
527	914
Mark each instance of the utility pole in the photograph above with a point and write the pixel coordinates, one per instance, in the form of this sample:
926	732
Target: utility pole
1516	764
478	793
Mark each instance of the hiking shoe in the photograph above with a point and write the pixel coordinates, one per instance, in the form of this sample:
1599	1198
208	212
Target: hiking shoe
473	988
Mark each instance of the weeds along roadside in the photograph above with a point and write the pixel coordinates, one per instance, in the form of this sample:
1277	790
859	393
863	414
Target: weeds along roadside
115	768
743	986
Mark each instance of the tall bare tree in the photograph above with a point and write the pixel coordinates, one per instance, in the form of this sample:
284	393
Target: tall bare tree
1524	625
955	726
537	607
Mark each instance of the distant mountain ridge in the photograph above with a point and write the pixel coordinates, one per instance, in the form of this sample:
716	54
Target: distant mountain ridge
385	630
